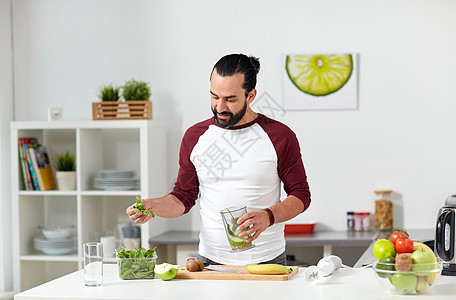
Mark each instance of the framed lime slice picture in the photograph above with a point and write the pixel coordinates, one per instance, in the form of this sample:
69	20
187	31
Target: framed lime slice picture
321	74
320	81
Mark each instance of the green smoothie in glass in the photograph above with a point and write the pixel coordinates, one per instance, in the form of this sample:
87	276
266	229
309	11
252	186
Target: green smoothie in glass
230	217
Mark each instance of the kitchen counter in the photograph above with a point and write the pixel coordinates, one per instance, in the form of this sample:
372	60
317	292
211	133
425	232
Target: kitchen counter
179	241
317	238
343	284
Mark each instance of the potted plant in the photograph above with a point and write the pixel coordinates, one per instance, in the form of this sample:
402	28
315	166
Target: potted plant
136	90
136	105
65	171
109	93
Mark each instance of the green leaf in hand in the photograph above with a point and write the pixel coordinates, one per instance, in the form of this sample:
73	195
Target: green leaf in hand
140	207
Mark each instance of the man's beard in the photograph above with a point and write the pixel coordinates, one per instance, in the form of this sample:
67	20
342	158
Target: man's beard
233	120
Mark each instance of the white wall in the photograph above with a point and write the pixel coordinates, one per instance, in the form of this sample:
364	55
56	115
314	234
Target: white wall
401	137
6	115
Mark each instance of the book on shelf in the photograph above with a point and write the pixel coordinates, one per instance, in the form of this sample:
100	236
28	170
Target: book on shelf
35	165
27	146
45	169
24	165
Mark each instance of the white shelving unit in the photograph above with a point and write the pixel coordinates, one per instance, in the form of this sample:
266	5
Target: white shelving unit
138	145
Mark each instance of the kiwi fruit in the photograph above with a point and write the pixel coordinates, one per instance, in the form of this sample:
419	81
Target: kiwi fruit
403	262
194	265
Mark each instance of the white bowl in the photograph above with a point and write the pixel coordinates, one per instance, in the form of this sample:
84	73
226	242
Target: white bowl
58	232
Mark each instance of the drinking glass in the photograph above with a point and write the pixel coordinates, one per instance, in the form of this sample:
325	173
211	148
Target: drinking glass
93	264
230	216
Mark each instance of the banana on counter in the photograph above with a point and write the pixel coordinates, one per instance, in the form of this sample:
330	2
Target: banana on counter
268	269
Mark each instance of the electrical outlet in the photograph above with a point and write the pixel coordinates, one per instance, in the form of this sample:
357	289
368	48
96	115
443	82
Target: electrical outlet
55	114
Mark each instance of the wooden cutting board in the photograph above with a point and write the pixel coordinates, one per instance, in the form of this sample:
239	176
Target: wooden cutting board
239	274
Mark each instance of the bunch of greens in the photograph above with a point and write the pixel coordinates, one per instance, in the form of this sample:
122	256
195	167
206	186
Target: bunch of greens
136	264
140	207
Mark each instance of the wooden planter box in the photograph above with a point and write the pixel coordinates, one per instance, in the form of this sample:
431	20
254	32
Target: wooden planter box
122	110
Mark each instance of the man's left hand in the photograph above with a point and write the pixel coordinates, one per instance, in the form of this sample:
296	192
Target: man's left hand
258	221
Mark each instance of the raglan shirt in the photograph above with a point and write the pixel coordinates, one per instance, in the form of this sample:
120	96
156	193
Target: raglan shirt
236	166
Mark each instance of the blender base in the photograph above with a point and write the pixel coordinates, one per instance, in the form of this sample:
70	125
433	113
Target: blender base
449	269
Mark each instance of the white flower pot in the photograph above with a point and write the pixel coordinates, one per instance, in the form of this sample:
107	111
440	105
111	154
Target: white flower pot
66	180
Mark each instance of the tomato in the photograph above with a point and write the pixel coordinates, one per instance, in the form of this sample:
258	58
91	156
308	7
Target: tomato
398	234
404	245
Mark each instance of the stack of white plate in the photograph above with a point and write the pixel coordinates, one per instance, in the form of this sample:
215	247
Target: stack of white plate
55	246
116	180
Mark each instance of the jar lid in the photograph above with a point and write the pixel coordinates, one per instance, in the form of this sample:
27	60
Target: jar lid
362	213
383	191
350	213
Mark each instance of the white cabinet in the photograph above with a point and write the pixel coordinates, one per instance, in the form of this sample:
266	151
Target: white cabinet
138	145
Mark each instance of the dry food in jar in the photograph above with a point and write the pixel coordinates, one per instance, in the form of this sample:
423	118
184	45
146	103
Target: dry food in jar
383	210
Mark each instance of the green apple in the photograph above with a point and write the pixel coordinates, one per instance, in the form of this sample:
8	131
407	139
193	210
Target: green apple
386	264
165	271
423	260
384	248
404	283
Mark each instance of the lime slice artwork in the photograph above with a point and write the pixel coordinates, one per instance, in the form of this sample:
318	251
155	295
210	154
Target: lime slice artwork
321	74
320	81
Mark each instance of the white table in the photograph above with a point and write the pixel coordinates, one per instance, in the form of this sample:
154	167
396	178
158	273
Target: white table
343	284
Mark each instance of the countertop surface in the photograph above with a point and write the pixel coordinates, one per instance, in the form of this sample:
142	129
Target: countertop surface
342	284
316	238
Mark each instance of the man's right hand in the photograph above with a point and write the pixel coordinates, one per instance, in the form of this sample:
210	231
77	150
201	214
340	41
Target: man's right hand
136	216
166	207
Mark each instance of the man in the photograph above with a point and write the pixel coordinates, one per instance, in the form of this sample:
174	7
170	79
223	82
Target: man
238	157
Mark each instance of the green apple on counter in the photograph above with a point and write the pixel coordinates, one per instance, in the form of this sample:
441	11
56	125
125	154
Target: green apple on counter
165	271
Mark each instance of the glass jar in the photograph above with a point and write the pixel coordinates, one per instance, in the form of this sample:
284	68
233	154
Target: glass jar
350	221
362	221
383	210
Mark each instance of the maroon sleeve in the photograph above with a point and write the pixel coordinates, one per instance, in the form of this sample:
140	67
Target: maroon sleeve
186	188
290	167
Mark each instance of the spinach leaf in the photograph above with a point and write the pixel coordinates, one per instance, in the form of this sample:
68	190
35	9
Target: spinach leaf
140	207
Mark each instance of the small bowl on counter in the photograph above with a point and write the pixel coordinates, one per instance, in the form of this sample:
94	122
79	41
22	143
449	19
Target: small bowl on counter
419	278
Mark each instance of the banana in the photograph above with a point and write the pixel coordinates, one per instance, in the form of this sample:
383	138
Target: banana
268	269
421	284
420	246
431	278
